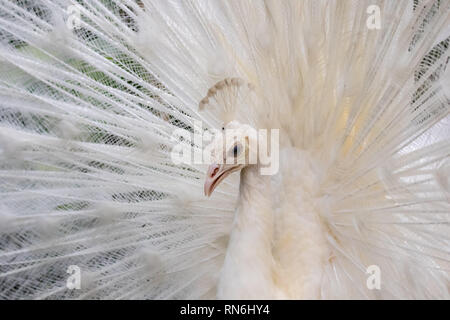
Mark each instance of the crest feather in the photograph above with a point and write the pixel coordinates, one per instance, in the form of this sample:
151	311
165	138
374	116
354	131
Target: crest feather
229	96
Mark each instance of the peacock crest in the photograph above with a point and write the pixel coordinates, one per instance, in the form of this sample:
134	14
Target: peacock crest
231	97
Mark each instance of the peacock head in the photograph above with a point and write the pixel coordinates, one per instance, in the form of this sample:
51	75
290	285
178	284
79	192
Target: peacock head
233	150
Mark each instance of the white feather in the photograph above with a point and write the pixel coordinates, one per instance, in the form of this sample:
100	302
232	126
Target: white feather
86	123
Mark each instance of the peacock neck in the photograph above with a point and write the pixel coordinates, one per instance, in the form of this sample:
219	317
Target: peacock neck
247	272
254	214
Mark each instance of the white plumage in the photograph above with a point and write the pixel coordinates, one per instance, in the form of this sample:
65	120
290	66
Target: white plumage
92	91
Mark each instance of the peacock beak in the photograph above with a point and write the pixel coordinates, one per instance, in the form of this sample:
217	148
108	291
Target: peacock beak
214	177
